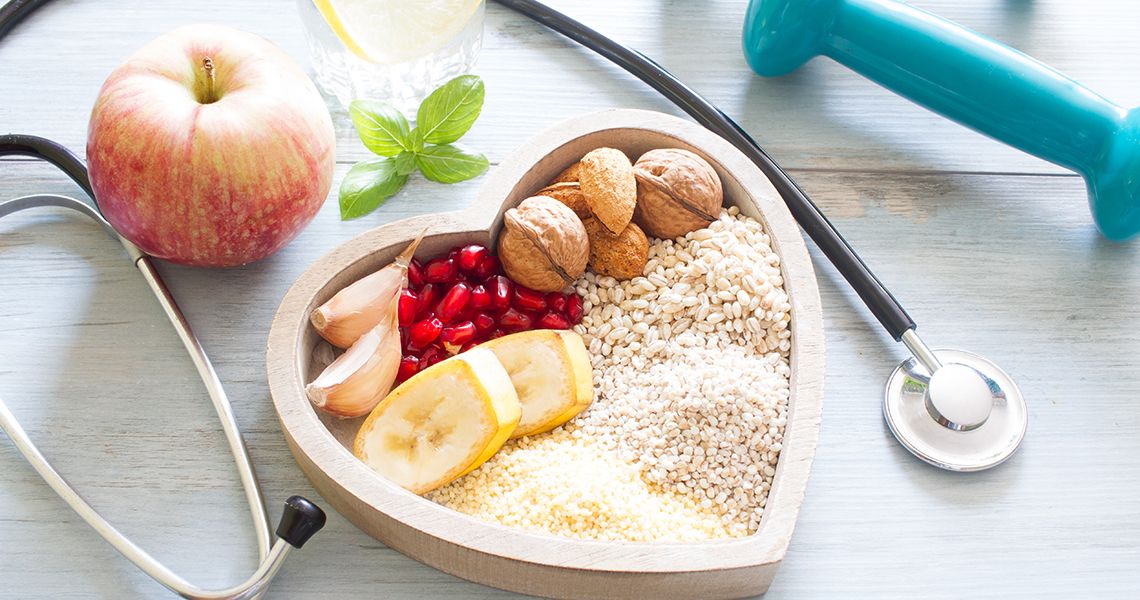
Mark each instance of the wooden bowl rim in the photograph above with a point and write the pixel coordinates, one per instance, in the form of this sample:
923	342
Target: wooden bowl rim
309	435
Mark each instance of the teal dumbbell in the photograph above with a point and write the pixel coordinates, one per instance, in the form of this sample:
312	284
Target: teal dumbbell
975	81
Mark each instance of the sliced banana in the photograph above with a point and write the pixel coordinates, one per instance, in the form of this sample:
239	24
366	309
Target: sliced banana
442	423
551	372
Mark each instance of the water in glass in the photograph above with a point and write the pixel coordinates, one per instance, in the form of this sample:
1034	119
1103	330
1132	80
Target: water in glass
397	51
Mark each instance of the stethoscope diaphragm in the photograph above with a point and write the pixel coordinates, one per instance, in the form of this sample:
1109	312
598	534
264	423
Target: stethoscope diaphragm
919	428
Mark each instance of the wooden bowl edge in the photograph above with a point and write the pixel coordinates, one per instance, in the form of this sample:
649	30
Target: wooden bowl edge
767	546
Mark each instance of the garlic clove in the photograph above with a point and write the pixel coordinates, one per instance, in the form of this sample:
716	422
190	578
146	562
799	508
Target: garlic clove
360	378
365	303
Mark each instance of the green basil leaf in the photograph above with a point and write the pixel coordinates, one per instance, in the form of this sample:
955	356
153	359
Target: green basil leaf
382	128
450	164
405	163
367	185
417	142
448	112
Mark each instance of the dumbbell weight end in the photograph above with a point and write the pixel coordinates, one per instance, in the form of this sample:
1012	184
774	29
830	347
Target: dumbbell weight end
977	82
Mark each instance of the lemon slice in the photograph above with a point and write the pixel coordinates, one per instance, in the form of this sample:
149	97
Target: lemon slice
394	31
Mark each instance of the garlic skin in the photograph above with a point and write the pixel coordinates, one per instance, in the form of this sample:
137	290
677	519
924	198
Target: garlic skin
364	303
360	378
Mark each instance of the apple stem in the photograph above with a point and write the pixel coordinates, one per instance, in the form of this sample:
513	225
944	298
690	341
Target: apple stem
208	67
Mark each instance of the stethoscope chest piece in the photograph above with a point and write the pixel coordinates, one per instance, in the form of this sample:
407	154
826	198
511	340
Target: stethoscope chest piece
969	417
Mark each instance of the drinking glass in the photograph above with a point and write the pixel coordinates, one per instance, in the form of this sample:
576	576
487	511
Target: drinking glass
397	51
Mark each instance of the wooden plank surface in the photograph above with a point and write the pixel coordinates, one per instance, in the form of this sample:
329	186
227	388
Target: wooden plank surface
990	250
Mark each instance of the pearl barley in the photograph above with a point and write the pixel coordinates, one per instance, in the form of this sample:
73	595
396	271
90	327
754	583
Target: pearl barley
691	383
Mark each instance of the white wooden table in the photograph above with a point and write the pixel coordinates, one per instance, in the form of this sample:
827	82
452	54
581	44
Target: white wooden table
991	251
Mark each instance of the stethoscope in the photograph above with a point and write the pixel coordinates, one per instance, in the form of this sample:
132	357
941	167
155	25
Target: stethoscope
953	409
300	518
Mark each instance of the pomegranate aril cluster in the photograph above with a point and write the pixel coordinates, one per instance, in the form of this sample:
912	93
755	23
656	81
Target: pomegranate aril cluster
454	303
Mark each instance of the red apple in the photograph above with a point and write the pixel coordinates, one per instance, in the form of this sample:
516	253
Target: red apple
210	147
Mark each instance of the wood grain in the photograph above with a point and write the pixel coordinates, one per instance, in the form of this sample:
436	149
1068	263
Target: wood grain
990	251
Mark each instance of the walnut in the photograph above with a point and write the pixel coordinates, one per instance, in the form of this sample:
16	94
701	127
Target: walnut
607	182
570	175
622	256
677	192
570	194
543	244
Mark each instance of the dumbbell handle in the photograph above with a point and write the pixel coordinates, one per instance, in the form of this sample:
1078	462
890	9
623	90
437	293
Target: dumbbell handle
989	87
977	82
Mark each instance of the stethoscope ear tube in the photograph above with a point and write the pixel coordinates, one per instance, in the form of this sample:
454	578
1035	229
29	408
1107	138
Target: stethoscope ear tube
301	518
15	11
873	293
43	148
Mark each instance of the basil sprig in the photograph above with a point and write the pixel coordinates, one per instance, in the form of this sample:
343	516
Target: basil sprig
443	117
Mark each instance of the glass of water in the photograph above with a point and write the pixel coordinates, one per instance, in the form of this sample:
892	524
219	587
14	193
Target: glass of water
397	51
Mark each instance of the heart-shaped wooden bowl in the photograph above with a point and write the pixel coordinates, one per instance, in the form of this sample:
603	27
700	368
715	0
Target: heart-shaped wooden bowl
514	559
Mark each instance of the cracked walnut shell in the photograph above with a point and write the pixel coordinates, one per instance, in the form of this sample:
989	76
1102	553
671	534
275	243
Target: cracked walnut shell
622	256
570	194
677	192
606	178
543	244
569	175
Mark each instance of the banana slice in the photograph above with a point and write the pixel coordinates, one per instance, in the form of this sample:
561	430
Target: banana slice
551	372
442	423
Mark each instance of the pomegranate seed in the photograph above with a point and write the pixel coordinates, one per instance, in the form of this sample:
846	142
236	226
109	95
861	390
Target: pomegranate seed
406	309
409	365
441	270
556	301
454	302
498	333
415	274
480	298
553	320
458	334
500	288
484	322
513	320
528	299
468	346
471	257
574	308
426	300
487	267
431	356
424	332
406	342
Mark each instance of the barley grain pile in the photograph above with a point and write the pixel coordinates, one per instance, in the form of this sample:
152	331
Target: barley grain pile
691	394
